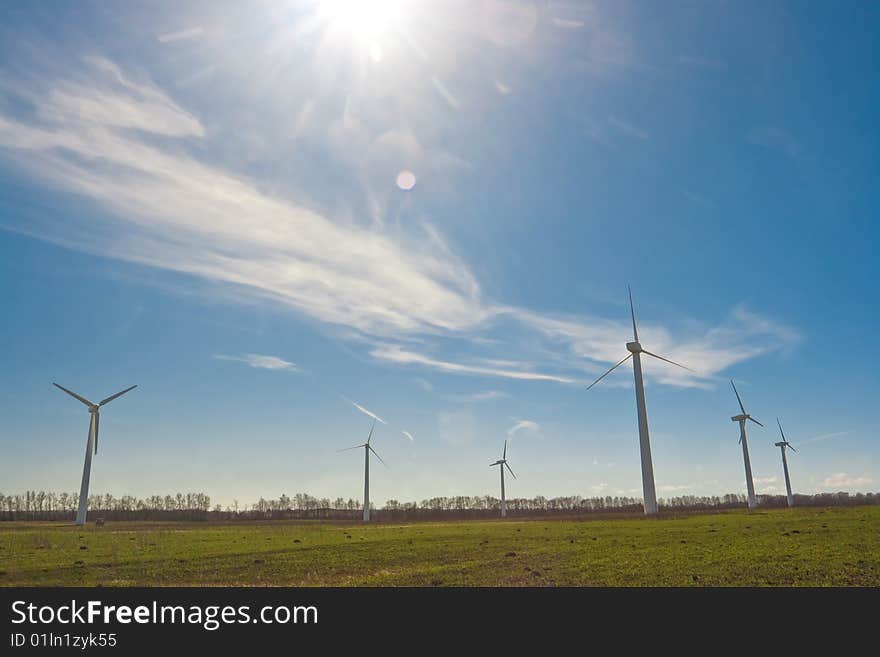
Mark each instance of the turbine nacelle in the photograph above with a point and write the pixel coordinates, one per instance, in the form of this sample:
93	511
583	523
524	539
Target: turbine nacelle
741	418
634	347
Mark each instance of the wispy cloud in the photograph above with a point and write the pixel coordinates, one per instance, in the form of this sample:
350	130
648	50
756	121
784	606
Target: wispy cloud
424	384
260	361
408	436
628	128
842	480
523	425
698	199
776	139
118	139
702	63
365	411
706	349
180	35
823	437
567	23
481	396
672	488
168	210
397	354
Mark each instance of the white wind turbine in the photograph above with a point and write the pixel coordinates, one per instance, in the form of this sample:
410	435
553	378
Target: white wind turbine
742	419
367	449
91	444
635	352
502	463
782	445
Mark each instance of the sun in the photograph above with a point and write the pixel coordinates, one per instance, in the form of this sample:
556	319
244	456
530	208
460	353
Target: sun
366	20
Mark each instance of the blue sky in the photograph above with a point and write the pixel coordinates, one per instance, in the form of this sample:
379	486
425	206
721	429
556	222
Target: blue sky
262	213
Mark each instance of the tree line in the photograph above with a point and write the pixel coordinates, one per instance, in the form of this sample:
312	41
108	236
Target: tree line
42	505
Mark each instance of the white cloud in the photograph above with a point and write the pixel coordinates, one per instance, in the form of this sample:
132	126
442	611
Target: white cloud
706	349
456	427
523	425
408	436
365	411
765	480
842	480
567	24
180	35
168	210
704	63
485	395
397	354
628	128
122	142
260	361
670	488
424	384
599	488
825	436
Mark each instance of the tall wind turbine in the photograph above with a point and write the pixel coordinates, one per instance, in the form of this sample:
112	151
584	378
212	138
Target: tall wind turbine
91	444
502	463
742	418
782	445
367	449
635	352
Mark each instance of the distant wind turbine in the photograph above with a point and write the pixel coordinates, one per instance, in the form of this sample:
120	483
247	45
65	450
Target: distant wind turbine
367	449
91	444
742	419
782	444
502	463
635	352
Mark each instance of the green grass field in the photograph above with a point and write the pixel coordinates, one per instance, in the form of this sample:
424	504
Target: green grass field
800	547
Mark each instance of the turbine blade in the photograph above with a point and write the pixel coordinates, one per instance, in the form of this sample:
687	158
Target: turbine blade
97	424
492	465
755	421
788	444
632	310
504	456
739	442
371	432
73	394
377	455
669	361
782	433
609	371
509	470
118	394
741	407
348	448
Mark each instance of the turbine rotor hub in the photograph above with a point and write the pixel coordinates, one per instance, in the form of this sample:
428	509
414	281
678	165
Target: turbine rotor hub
93	409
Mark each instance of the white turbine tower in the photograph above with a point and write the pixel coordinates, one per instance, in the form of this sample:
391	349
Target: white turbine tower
635	352
91	444
742	419
782	445
502	463
367	449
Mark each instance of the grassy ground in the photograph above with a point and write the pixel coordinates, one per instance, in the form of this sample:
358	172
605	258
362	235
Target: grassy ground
820	547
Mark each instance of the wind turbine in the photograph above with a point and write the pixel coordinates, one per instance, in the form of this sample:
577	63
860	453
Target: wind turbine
91	444
742	418
502	463
782	445
635	352
367	449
